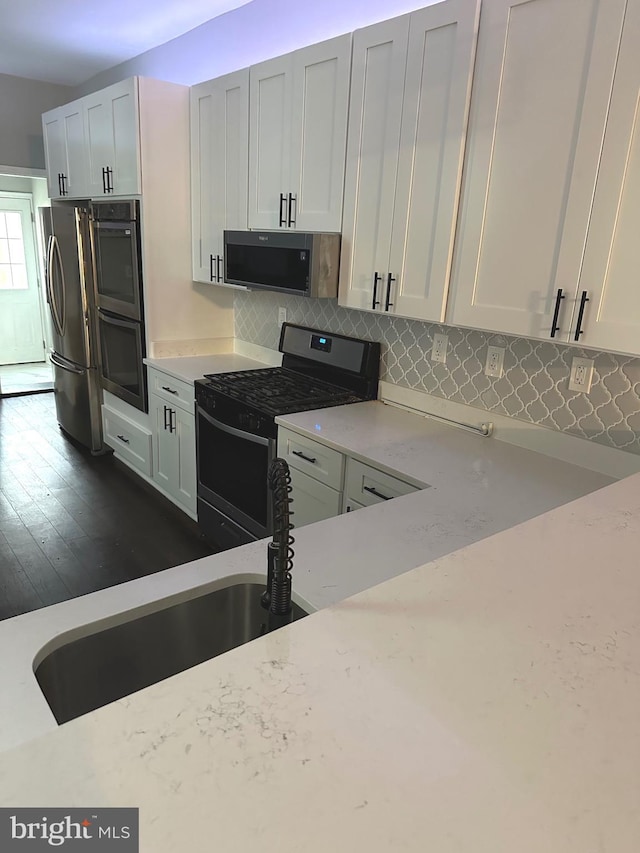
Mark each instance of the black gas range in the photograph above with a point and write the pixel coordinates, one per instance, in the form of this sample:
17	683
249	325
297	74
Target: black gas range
236	433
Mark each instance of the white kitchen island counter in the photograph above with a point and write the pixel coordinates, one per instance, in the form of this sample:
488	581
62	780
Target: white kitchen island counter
485	702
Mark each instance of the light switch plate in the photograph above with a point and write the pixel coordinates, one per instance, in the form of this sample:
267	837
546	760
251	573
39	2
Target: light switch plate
439	348
581	375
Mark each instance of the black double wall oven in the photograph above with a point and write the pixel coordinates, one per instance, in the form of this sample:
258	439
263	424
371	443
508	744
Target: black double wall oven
116	250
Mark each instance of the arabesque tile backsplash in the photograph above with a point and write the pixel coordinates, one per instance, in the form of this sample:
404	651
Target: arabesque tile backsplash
534	386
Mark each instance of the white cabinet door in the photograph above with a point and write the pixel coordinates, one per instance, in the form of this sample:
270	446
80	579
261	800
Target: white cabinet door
312	500
319	134
165	447
437	89
185	435
541	89
111	127
219	168
611	319
375	111
64	140
54	151
297	137
269	141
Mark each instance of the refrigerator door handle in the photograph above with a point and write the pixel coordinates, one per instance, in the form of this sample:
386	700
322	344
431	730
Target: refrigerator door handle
49	285
58	315
64	365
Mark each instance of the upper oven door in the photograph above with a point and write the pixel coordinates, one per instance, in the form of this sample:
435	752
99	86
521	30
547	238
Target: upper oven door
232	472
117	267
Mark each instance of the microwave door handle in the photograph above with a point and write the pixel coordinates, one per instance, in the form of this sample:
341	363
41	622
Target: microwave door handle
238	433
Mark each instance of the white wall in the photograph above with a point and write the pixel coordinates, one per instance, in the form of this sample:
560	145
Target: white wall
22	103
260	30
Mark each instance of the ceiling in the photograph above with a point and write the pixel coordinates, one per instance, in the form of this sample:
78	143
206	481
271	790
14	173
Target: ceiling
69	41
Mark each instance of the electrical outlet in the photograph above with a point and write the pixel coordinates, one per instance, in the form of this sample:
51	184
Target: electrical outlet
581	375
282	316
439	348
494	365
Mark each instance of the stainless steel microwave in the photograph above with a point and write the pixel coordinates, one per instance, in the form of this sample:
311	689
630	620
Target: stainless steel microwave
293	262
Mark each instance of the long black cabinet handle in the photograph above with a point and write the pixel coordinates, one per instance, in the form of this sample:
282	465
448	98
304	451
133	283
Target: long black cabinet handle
387	303
166	410
554	326
375	301
211	272
109	180
122	438
104	179
170	390
172	421
299	453
583	302
291	220
65	190
219	277
373	491
283	215
59	183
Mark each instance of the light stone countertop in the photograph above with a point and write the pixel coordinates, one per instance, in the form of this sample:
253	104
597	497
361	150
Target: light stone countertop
188	368
483	703
479	486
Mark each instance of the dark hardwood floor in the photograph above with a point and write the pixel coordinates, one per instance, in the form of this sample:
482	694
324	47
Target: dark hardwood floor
72	523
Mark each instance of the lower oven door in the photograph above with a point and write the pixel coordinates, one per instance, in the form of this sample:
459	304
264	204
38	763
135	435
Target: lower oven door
122	371
232	479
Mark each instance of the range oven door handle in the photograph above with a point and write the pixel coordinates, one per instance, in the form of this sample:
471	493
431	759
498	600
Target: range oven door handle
238	433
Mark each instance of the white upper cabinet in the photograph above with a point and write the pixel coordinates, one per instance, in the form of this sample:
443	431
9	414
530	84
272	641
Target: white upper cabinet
542	84
375	112
297	138
219	168
66	163
609	278
410	93
112	137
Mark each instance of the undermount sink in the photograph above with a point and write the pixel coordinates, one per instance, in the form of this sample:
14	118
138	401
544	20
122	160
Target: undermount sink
91	671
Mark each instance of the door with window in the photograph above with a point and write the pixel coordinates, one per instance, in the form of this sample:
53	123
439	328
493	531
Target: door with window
21	333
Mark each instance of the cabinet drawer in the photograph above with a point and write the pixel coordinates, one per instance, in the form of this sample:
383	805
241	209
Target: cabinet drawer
312	500
315	459
130	441
175	391
367	485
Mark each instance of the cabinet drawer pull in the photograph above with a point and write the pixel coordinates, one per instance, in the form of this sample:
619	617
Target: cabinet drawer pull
122	438
387	303
583	301
373	491
299	453
376	279
554	326
283	215
170	390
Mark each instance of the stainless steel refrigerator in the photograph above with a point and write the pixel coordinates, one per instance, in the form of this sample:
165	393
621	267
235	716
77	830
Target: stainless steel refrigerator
70	295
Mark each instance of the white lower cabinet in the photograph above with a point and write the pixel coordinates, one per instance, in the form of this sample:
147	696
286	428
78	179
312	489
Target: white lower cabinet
326	482
130	441
174	452
365	486
312	500
171	409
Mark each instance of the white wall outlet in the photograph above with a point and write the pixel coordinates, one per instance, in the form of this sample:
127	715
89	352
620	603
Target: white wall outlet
282	316
581	375
439	348
494	365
